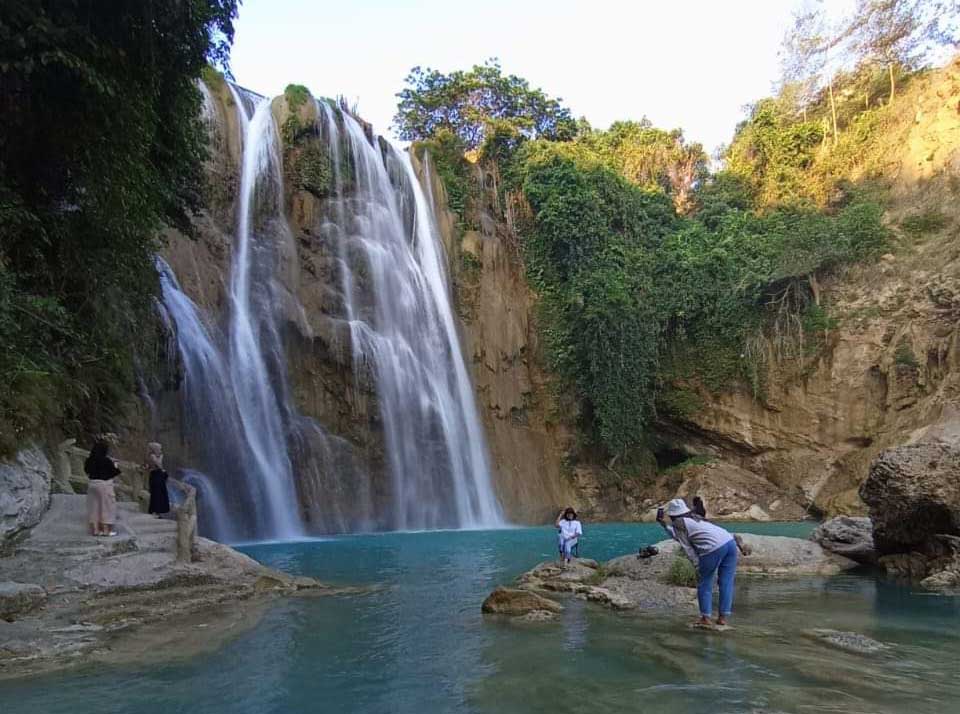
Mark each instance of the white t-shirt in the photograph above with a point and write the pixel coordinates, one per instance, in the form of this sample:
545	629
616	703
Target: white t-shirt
569	529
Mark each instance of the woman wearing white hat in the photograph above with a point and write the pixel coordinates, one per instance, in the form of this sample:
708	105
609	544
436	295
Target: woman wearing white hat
711	548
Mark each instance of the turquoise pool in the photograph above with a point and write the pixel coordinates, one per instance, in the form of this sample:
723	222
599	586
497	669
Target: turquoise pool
419	643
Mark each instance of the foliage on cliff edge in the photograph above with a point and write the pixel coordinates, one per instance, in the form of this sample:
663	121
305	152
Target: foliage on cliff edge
100	145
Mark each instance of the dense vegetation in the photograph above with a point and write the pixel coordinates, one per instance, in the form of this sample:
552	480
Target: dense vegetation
100	145
659	281
638	301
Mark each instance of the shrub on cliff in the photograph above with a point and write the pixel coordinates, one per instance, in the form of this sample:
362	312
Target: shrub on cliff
100	145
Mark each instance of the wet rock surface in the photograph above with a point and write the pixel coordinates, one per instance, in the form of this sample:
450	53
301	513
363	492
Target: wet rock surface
847	641
68	598
849	536
19	598
515	602
632	583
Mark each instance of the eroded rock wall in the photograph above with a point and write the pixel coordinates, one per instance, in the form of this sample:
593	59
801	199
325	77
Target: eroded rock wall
890	366
527	436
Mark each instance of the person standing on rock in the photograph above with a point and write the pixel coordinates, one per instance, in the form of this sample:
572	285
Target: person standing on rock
569	532
712	550
159	497
101	499
701	510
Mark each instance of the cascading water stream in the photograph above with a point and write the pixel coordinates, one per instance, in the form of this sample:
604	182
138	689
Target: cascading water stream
263	463
404	330
258	400
234	388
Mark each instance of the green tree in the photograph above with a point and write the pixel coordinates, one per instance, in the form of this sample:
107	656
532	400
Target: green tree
100	145
652	158
901	33
470	104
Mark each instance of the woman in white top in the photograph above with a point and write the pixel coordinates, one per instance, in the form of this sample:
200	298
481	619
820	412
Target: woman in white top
712	550
569	531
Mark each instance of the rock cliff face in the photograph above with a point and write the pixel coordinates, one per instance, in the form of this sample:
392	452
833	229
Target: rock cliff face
890	365
24	492
888	368
528	439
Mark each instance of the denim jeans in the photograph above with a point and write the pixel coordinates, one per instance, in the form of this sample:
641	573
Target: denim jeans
566	546
724	560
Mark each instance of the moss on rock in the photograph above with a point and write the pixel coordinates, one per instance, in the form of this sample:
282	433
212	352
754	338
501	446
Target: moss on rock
313	170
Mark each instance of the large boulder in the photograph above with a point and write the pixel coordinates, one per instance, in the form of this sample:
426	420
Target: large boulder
851	537
24	491
913	493
780	555
514	602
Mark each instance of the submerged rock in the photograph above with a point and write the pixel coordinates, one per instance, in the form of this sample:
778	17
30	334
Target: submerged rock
846	641
516	602
849	536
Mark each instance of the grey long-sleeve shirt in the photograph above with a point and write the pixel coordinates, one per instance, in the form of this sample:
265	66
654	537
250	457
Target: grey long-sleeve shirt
702	538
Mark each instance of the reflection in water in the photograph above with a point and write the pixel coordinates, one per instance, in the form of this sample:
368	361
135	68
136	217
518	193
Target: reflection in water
419	644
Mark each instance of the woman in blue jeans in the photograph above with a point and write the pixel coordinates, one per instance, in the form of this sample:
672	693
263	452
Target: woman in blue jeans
713	551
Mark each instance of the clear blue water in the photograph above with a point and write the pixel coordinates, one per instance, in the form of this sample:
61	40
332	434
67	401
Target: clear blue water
418	643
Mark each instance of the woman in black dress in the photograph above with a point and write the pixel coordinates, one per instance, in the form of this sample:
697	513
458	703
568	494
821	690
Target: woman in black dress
159	498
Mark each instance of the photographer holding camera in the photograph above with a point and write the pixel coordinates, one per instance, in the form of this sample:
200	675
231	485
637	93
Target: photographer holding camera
711	549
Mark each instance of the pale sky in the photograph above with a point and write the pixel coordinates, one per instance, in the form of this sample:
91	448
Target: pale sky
692	64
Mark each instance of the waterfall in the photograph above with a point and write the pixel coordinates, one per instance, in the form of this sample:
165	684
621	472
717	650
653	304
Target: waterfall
396	299
233	457
262	463
254	339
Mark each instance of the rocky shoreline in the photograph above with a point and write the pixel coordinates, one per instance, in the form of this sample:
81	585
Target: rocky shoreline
68	599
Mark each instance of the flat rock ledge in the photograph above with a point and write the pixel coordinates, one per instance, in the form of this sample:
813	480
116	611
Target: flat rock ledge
68	599
632	583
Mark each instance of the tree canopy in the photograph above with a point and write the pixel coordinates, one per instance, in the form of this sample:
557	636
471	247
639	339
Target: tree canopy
100	144
473	104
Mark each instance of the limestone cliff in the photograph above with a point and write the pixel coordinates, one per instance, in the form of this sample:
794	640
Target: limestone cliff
887	368
890	365
528	440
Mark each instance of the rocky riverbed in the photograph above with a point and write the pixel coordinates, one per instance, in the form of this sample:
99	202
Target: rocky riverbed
67	598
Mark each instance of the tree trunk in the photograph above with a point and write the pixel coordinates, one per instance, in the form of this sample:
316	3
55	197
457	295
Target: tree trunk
833	113
893	86
815	289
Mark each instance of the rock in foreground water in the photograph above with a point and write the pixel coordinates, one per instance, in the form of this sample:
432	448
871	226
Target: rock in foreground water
632	583
515	602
